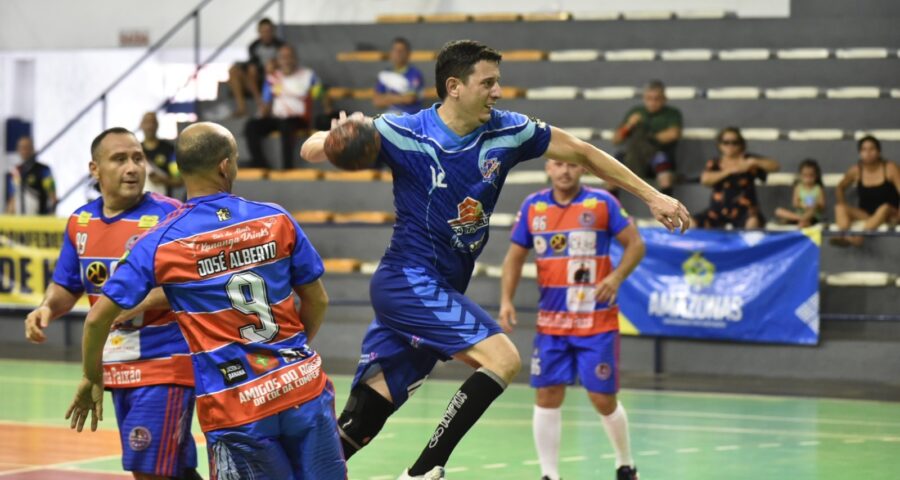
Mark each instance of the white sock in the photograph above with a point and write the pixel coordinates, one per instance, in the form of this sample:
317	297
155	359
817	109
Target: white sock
616	426
547	427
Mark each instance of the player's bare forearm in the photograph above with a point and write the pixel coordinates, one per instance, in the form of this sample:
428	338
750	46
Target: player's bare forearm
313	149
59	300
96	330
313	305
155	300
567	148
633	250
512	272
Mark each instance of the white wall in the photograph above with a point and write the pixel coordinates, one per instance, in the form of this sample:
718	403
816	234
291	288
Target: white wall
26	25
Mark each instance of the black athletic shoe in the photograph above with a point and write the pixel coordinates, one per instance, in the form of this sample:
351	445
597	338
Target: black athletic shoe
189	474
627	473
548	478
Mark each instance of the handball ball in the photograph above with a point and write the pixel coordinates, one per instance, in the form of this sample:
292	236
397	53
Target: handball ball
353	145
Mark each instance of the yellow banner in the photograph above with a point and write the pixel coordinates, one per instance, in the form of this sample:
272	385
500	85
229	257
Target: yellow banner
29	247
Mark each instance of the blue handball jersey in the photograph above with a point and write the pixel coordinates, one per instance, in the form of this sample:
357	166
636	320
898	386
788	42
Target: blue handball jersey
446	186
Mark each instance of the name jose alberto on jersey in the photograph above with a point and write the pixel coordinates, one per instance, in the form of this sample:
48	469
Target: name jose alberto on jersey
222	262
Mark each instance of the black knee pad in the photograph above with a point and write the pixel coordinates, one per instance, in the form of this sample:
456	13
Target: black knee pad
363	416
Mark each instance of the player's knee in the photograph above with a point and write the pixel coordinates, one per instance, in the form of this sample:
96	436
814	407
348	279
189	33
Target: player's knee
604	403
507	364
362	418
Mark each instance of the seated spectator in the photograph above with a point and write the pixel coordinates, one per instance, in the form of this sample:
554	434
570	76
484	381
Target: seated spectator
877	185
247	77
287	100
30	189
650	133
162	172
399	90
808	199
732	176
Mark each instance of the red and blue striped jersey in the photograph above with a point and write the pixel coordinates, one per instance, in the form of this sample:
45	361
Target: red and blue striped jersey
571	246
149	349
228	267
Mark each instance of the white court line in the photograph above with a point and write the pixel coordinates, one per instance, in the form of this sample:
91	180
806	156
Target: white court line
688	450
531	462
607	456
695	414
726	448
810	443
854	440
456	469
60	466
769	445
492	466
577	458
648	453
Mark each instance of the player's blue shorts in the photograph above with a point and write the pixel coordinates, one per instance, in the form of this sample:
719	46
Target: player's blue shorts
560	359
419	319
300	443
155	428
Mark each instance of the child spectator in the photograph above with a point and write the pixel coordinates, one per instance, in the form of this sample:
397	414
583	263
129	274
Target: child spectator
808	199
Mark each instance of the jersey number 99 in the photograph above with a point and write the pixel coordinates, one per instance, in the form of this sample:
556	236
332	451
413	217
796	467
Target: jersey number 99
247	292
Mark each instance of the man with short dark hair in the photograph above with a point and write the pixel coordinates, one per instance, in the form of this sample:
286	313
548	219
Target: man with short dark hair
146	362
30	189
399	89
449	164
650	133
232	269
248	76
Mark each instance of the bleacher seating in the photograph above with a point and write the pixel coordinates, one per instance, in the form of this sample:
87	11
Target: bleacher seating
801	96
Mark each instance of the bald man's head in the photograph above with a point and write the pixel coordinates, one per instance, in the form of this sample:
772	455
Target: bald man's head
202	146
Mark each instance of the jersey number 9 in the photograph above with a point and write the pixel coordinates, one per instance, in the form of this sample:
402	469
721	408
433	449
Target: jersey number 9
247	292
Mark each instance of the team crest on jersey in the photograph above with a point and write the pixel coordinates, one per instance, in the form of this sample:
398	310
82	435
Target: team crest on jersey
489	169
586	219
131	241
223	214
139	438
96	273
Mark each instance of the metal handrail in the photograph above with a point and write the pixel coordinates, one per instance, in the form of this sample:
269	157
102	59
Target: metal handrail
150	51
198	65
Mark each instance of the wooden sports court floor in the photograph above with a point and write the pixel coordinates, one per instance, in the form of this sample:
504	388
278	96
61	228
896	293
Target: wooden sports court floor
675	435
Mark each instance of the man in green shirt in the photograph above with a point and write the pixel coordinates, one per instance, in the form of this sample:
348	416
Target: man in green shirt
650	133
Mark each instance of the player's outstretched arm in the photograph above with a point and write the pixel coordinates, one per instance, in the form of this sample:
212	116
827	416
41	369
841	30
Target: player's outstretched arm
57	302
313	149
89	396
565	147
512	273
313	304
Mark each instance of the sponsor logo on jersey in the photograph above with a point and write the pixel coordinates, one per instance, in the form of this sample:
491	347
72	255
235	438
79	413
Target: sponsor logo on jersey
587	219
232	371
84	218
290	355
96	273
139	438
471	217
148	221
558	242
540	245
